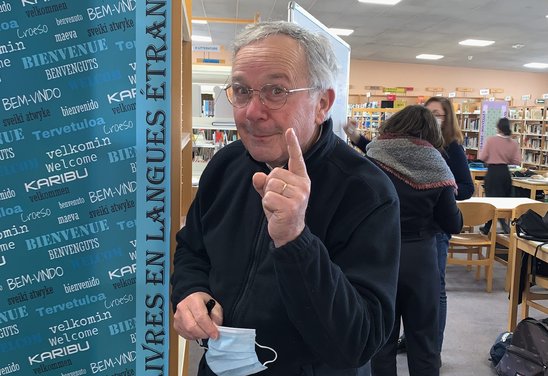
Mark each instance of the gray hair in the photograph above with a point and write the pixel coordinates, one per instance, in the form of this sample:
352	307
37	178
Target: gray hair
322	63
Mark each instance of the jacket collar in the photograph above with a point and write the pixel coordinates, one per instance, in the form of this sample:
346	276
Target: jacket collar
323	146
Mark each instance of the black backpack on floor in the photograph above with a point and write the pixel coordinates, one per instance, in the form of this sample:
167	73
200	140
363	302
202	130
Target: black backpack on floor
498	349
527	354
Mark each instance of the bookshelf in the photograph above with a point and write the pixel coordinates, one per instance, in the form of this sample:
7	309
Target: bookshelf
370	119
467	109
209	135
469	123
212	124
530	125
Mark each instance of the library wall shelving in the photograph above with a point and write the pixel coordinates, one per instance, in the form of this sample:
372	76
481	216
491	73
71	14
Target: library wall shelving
209	134
529	125
213	129
470	125
468	117
466	107
406	100
369	119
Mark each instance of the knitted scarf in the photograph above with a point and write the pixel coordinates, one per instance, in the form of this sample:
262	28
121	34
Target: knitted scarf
412	160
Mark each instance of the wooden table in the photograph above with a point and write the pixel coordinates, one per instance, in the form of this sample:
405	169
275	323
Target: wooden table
532	185
503	210
478	175
527	246
477	172
503	205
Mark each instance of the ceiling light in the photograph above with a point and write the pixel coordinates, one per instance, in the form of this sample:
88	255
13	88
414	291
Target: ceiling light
201	38
517	46
343	32
383	2
199	22
476	42
429	57
536	65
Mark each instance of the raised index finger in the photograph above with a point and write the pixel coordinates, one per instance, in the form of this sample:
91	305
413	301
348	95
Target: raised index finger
296	163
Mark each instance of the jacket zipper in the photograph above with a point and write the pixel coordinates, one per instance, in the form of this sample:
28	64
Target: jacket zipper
251	270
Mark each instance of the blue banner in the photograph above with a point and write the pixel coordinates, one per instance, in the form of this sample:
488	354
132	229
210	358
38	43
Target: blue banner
68	188
153	182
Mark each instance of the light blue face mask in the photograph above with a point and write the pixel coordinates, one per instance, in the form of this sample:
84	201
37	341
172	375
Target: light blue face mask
233	353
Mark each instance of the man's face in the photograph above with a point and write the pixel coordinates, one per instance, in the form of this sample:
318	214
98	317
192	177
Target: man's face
276	60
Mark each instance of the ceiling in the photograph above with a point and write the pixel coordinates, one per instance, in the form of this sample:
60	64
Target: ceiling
412	27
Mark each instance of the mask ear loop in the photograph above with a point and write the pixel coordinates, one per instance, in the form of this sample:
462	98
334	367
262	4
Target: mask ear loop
271	349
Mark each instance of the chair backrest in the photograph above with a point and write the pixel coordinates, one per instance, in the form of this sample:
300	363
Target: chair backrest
538	207
476	213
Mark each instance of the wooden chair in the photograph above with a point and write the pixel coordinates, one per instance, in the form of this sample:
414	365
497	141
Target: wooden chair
479	190
533	298
502	253
475	243
508	240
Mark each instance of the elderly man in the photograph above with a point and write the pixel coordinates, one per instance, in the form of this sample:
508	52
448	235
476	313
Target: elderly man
293	236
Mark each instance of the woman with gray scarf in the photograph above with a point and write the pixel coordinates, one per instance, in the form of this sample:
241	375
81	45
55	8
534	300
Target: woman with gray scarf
407	151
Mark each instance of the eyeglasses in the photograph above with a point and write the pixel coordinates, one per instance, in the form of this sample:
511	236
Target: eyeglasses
272	96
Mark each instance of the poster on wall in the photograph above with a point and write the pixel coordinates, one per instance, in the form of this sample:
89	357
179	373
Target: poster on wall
67	187
491	112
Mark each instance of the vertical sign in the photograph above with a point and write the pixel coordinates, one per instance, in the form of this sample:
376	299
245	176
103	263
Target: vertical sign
491	112
339	111
67	187
153	192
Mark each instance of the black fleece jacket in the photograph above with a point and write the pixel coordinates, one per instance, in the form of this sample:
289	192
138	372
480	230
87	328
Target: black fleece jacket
325	301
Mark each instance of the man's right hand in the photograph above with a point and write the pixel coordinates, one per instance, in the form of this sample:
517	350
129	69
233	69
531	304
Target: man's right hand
192	321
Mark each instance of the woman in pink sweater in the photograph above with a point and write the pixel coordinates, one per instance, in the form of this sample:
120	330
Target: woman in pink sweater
498	152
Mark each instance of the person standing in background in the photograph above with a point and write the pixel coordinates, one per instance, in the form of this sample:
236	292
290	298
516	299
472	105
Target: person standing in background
293	236
354	135
453	153
406	150
498	152
455	157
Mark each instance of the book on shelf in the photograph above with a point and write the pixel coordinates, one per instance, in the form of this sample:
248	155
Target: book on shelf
535	114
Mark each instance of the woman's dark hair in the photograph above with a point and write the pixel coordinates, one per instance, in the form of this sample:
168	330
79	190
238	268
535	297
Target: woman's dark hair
504	126
414	121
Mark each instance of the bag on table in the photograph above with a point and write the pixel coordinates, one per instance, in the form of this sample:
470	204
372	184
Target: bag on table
532	226
527	354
